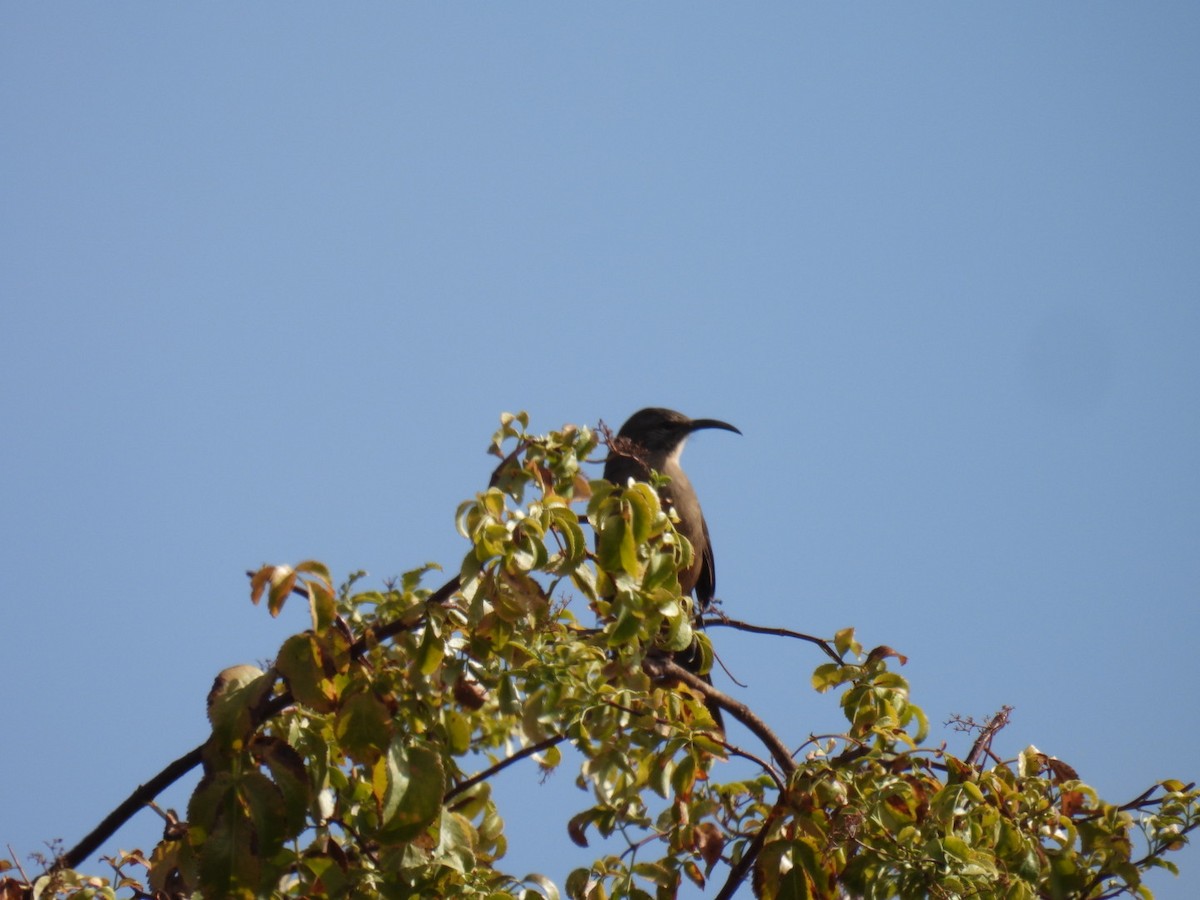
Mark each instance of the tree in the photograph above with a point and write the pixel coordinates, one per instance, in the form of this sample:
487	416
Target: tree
359	763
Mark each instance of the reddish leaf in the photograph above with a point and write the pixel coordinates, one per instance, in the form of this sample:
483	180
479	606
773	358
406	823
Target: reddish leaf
469	693
1072	802
710	842
577	827
883	651
259	582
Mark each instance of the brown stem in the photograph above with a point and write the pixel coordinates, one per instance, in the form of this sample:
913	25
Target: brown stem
468	783
741	712
123	813
732	749
983	743
738	873
726	622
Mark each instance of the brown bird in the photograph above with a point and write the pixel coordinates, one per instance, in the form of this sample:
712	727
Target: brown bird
653	439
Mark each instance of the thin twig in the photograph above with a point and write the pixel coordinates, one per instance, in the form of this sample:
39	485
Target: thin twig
468	783
1141	801
366	847
814	738
726	622
734	750
632	847
17	863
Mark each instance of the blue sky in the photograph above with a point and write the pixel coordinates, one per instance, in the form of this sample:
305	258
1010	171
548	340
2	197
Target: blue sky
269	274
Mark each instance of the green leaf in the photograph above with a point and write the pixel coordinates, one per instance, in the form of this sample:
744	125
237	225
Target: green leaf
564	521
321	605
315	567
236	830
684	775
957	848
411	579
363	727
457	841
458	731
301	664
844	642
290	776
226	863
655	873
778	876
922	723
827	676
409	783
430	652
263	803
627	627
608	548
644	508
210	799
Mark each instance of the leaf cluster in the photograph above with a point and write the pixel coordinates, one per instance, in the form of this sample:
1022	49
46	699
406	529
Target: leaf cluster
359	764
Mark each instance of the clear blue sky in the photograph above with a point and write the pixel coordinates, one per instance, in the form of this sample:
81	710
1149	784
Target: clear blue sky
269	273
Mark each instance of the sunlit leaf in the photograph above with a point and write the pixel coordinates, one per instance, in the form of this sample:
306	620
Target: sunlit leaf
363	727
283	580
321	604
430	652
301	663
412	783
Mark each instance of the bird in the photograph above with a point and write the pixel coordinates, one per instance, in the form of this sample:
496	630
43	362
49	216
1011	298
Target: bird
653	439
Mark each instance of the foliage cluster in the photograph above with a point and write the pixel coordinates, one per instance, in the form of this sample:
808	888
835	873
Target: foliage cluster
360	763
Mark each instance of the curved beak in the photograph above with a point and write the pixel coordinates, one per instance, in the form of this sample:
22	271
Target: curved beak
698	424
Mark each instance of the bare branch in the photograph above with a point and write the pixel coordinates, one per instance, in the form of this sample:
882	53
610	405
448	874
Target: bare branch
17	863
726	622
123	813
468	783
983	743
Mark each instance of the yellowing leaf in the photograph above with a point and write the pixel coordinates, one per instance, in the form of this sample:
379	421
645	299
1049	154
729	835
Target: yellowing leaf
283	579
844	642
413	782
301	664
321	605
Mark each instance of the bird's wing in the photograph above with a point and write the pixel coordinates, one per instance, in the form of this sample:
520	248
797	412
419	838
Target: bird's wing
706	580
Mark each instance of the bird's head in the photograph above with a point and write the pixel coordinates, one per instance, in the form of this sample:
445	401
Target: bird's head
661	430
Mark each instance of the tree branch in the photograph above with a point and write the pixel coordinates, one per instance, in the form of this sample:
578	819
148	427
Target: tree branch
738	873
735	750
657	666
730	748
123	813
983	743
724	621
468	783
